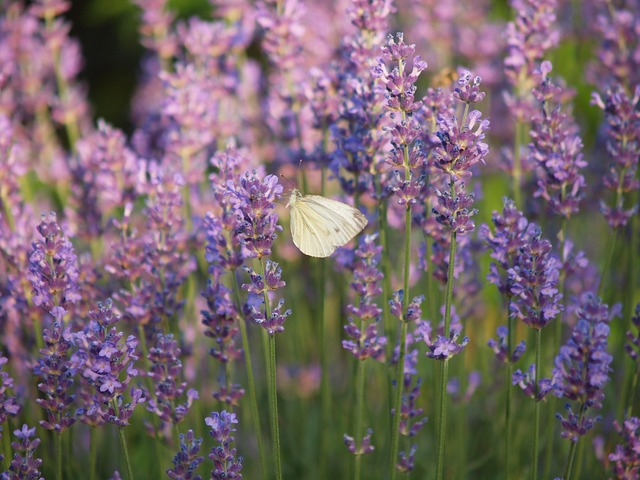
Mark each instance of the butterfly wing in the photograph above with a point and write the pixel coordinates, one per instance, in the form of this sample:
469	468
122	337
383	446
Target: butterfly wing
319	225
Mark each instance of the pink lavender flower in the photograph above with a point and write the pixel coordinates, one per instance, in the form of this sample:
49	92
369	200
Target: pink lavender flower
364	342
24	465
625	458
226	465
56	371
557	148
107	366
622	117
582	367
53	271
187	460
165	372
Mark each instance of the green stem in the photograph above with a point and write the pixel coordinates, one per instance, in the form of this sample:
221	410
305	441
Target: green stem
536	419
389	327
93	452
517	166
6	444
395	433
360	375
507	410
273	391
274	405
253	399
611	247
444	369
125	450
58	455
634	384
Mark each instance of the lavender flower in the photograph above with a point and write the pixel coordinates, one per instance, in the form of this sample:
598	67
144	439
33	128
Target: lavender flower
626	456
364	341
57	372
226	466
442	347
623	145
557	148
53	271
25	464
534	283
473	382
187	460
529	37
259	289
365	444
102	359
500	347
530	385
8	404
582	367
254	200
633	341
165	370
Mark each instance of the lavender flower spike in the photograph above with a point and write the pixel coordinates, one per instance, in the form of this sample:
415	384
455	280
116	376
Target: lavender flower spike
226	466
187	460
626	456
24	465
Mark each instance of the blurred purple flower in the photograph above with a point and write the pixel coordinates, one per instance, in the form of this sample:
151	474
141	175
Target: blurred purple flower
8	404
365	444
56	370
165	371
24	465
106	365
473	382
226	465
622	116
500	347
557	148
187	460
530	386
633	341
582	366
53	271
364	341
625	458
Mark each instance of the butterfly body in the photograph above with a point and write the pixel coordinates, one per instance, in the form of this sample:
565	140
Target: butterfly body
320	225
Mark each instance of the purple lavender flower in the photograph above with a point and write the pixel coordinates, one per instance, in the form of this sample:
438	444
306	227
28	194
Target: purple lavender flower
226	466
500	347
57	371
363	341
8	404
532	387
626	456
107	366
529	37
534	283
633	341
442	346
473	382
25	464
53	270
557	148
365	444
155	28
259	288
582	367
187	460
622	117
165	370
254	200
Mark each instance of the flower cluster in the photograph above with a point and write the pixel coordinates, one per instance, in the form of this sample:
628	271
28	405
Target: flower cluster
622	117
226	465
557	148
57	372
364	342
582	367
399	83
254	200
8	404
534	279
101	359
365	444
272	320
501	347
165	369
24	464
625	458
53	269
187	460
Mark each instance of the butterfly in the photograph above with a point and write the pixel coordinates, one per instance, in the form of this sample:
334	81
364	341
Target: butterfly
320	225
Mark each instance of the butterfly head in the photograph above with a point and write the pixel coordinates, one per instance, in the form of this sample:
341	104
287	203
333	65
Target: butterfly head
293	197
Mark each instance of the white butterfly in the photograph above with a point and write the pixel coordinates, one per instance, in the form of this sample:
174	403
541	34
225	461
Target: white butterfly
320	225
